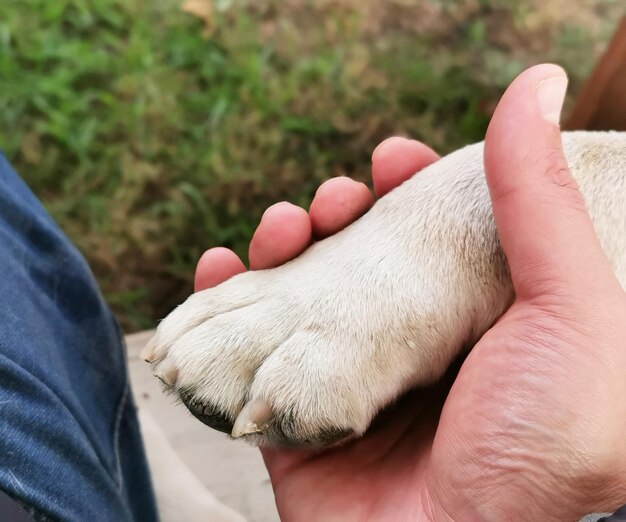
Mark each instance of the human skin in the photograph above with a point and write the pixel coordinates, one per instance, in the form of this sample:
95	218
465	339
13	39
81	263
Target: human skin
533	426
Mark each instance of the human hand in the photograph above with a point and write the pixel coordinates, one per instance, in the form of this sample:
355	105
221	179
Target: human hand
533	425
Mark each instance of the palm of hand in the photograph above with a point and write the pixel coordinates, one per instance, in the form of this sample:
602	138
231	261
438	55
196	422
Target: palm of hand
502	429
376	477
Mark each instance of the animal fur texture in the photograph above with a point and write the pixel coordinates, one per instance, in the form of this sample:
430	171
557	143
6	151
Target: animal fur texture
324	342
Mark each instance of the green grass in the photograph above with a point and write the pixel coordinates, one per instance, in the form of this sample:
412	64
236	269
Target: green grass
151	137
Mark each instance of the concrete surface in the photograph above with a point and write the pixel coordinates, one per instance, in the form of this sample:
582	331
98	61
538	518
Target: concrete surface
233	471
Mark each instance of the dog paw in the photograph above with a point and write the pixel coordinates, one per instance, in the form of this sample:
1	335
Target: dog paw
308	353
278	356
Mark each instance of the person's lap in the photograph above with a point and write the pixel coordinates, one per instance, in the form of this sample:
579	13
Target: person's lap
70	446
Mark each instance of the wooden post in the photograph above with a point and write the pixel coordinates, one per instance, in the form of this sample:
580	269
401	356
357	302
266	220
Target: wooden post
601	104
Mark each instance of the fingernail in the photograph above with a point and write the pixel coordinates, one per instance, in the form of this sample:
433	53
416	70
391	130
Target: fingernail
550	96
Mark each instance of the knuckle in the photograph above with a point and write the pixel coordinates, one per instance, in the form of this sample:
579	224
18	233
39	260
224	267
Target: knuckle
557	171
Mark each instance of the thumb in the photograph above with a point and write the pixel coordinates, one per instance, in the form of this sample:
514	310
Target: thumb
542	222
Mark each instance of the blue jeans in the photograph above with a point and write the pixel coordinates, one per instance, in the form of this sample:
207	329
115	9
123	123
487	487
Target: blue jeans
70	446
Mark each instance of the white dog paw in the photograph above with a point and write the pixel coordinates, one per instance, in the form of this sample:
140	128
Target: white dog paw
308	353
287	356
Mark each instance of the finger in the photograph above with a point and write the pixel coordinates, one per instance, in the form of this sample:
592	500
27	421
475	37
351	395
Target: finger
542	222
337	203
284	233
396	159
216	266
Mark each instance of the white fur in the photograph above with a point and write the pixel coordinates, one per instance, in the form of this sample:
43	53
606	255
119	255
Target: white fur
333	336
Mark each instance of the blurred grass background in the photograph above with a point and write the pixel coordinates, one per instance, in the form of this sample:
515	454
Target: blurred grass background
153	130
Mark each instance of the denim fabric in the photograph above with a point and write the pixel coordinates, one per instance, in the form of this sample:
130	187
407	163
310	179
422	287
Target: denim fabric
70	447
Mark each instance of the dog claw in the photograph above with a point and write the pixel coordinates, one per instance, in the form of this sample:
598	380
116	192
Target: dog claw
148	353
253	418
167	372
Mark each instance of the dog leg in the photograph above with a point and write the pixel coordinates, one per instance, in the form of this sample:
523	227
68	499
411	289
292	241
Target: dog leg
309	352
